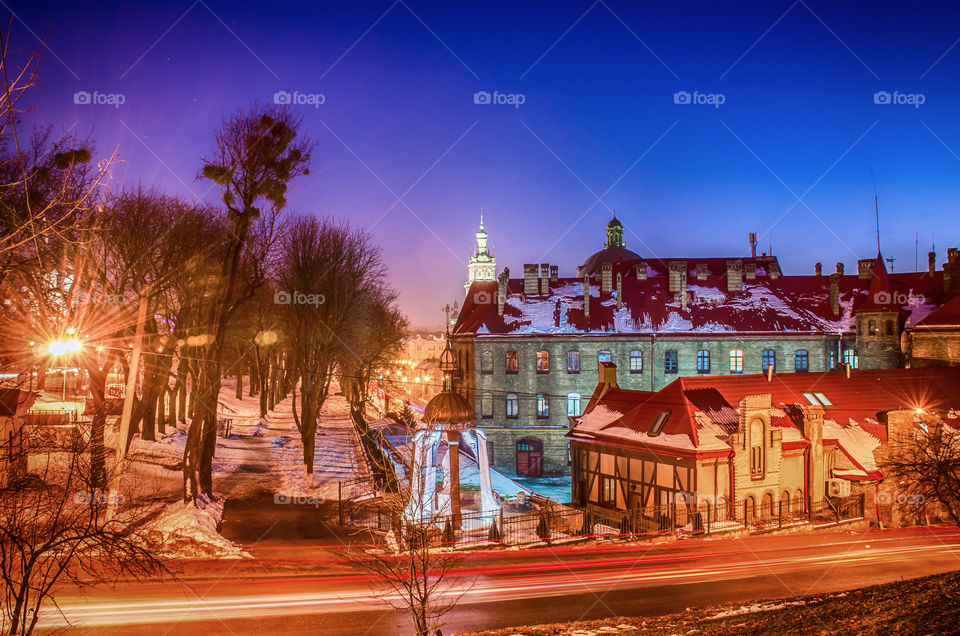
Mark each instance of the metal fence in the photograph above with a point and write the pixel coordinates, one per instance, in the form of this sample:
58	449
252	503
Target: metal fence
558	523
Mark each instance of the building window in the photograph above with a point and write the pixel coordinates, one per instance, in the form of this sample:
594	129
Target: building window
636	361
486	362
801	361
486	405
573	362
604	356
670	361
658	423
513	362
513	406
850	357
543	361
833	360
768	359
872	328
609	490
889	328
756	448
703	361
736	361
543	406
573	404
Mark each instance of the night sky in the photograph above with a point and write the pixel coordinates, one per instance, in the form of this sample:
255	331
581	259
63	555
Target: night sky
598	120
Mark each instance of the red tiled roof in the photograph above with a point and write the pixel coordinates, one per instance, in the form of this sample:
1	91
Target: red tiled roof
947	315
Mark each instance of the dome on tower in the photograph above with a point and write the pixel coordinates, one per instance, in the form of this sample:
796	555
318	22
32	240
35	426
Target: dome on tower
613	250
615	223
448	408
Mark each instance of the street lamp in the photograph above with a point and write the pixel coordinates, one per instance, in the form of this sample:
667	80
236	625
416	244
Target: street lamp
58	348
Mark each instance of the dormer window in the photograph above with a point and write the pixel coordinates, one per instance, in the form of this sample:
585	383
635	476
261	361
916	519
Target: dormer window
658	423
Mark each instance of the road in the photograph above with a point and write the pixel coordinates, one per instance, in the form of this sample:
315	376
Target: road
303	588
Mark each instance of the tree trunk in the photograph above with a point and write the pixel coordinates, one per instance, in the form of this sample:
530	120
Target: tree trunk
181	388
240	363
254	376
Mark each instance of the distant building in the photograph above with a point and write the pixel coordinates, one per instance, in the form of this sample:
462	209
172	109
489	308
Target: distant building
422	346
529	346
753	445
483	263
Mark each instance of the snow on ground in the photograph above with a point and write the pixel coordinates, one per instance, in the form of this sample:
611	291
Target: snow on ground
753	609
193	531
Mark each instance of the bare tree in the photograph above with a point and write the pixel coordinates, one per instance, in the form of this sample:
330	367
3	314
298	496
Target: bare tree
61	526
256	154
925	462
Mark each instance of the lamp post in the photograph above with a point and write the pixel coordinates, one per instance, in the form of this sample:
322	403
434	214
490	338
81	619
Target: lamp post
61	348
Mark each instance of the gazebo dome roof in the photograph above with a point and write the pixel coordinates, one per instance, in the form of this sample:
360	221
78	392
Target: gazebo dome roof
448	408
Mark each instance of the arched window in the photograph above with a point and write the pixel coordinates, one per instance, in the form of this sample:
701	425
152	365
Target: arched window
512	362
736	361
513	406
766	506
801	361
749	509
798	501
543	406
543	361
785	502
486	405
573	404
757	448
486	362
768	359
872	328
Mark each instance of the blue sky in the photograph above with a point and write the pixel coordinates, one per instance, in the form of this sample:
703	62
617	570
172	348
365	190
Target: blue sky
598	119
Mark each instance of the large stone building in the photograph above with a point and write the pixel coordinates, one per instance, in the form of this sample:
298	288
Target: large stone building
755	445
528	347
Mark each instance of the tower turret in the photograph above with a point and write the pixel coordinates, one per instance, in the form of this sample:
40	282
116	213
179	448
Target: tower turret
483	263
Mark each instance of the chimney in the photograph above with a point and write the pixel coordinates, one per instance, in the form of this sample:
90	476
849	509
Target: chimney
683	300
619	290
750	270
931	262
753	244
865	268
701	271
553	273
606	277
774	271
835	294
531	286
608	375
586	296
769	373
840	268
846	369
642	270
818	269
502	281
951	271
735	275
678	275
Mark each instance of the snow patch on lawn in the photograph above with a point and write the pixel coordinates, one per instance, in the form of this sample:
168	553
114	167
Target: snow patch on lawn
753	609
192	531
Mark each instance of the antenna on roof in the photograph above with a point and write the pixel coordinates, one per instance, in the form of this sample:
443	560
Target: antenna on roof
891	260
876	207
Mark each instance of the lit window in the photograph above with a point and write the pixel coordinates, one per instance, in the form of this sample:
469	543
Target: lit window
604	356
768	359
636	361
801	361
513	406
823	399
573	404
486	362
609	490
486	405
850	357
513	362
833	359
543	361
658	423
670	361
703	361
756	448
573	362
736	361
543	406
811	398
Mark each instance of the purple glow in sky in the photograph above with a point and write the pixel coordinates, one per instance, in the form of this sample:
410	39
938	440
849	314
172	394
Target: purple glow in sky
697	123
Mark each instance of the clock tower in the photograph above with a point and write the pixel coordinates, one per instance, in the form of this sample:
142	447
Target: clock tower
483	264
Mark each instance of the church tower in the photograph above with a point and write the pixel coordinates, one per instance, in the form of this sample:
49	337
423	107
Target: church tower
614	233
483	264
